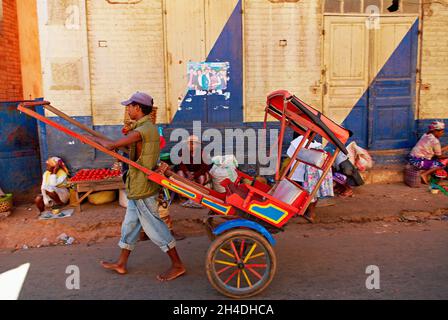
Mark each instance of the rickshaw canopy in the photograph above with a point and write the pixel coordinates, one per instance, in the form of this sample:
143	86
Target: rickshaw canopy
301	117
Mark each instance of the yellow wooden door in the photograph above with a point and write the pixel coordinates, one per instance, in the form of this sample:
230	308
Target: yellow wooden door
363	87
192	28
346	69
386	39
185	41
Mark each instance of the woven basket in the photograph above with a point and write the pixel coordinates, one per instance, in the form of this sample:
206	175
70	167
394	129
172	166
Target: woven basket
6	203
412	176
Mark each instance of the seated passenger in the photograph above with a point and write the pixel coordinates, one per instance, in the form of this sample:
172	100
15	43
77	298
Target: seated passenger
308	176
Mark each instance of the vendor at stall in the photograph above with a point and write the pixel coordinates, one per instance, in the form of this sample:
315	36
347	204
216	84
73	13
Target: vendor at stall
427	153
54	185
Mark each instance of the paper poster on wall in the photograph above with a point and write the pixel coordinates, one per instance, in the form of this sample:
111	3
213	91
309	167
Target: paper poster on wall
207	78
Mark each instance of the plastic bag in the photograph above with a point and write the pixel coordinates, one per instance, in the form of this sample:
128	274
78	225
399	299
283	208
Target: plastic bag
224	167
359	157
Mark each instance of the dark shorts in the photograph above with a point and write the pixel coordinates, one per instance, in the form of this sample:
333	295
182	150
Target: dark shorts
424	164
351	172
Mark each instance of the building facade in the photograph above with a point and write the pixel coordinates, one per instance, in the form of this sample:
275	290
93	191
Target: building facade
383	74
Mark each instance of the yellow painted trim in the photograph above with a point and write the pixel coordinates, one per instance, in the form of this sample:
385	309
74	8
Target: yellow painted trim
270	205
169	184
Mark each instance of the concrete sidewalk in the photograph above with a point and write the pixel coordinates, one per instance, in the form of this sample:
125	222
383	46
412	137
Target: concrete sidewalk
374	202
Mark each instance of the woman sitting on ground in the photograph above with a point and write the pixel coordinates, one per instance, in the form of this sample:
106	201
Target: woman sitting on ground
54	185
427	153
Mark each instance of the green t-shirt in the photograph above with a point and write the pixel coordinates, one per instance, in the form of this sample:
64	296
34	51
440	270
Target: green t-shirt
138	186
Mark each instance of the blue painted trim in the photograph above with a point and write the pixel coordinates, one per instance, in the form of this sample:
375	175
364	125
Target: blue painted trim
242	223
218	207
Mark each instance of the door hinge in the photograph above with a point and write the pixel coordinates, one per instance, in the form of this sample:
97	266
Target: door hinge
323	32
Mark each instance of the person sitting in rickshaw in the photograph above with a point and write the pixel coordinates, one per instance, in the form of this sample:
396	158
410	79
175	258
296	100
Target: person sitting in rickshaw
308	176
427	153
54	187
197	171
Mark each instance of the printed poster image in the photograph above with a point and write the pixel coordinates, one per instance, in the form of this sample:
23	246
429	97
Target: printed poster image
208	77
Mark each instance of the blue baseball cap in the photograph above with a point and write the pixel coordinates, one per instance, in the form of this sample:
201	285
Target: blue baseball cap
139	97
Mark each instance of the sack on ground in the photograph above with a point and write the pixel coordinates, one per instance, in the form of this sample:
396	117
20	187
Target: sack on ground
224	167
102	197
359	157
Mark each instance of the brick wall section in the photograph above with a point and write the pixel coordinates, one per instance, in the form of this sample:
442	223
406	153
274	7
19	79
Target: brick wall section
434	90
10	74
131	59
269	66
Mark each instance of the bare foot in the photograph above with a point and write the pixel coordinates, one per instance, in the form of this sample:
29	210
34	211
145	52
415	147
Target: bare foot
424	178
115	267
172	273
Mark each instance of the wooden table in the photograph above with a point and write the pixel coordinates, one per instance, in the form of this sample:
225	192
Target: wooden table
92	186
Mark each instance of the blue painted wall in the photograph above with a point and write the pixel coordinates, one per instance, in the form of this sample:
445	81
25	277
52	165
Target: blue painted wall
19	151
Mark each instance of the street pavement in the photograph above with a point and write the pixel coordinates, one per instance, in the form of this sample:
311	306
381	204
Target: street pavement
320	261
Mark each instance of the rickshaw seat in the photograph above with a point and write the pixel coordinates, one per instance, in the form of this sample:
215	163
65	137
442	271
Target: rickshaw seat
286	191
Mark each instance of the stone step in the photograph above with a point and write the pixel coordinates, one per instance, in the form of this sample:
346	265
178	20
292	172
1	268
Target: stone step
384	174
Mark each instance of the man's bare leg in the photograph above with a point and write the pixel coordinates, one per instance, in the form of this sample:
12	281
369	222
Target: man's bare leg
54	196
177	267
120	266
309	213
39	202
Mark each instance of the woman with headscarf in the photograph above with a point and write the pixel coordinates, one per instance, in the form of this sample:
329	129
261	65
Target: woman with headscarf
54	185
427	154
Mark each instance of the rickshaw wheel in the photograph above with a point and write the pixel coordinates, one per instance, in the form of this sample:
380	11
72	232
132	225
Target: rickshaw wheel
240	263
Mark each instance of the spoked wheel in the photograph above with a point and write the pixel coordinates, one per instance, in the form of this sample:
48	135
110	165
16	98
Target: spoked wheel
240	263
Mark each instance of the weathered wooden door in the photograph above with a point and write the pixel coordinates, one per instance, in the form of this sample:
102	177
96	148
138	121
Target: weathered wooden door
392	90
185	40
346	67
209	33
370	78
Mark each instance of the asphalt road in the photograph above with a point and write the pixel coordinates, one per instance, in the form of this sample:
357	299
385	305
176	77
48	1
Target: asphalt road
314	262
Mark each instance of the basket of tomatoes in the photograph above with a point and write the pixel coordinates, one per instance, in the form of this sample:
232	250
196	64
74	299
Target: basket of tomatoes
95	175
